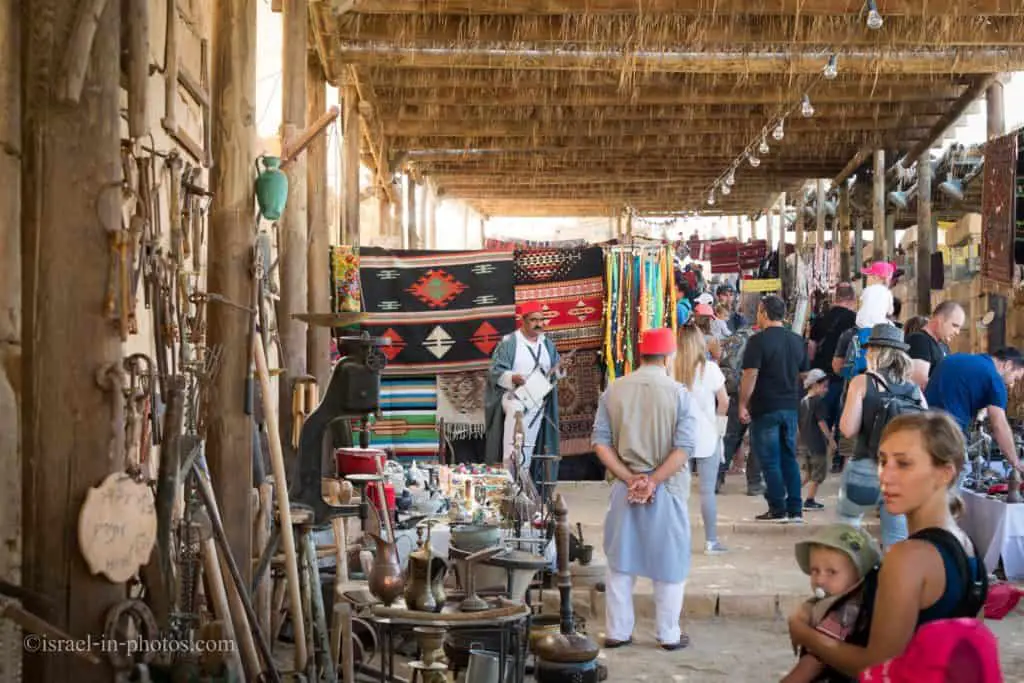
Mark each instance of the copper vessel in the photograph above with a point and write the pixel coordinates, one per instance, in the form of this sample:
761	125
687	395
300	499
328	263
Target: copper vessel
386	582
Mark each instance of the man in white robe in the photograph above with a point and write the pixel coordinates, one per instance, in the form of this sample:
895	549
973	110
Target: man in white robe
519	355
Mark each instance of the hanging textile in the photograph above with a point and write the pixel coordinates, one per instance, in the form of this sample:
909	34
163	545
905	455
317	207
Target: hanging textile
640	295
444	311
997	209
408	422
345	293
569	284
460	404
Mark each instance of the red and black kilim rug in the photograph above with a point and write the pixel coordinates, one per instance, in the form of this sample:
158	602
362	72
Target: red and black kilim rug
444	311
569	283
578	394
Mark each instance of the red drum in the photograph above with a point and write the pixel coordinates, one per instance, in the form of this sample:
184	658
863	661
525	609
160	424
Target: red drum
358	460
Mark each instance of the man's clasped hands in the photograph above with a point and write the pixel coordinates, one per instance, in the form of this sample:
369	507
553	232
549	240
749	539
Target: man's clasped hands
641	489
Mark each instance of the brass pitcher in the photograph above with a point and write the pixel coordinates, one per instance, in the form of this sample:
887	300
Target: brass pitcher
385	581
424	588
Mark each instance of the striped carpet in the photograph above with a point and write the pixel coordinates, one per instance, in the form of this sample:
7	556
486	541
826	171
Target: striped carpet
408	422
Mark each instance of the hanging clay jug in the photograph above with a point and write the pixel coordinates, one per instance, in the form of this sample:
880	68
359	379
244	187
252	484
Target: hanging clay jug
271	187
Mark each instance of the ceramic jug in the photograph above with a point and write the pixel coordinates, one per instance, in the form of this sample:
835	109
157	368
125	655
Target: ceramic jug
271	187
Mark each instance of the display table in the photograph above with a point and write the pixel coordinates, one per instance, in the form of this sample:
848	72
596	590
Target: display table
510	624
997	529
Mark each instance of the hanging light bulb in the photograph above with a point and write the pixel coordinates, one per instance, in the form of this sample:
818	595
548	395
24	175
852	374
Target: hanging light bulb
831	69
726	190
763	147
806	108
875	20
730	178
780	131
754	160
711	198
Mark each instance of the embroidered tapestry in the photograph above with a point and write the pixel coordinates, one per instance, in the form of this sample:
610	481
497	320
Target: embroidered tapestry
997	209
578	394
407	426
569	283
444	311
460	404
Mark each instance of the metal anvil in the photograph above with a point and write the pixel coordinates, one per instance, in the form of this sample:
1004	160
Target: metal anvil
352	393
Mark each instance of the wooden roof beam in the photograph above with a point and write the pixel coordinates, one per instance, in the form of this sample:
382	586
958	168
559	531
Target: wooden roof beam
733	95
373	132
952	116
628	7
808	62
534	129
674	31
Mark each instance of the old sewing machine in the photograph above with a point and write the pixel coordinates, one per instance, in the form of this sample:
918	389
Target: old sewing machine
353	393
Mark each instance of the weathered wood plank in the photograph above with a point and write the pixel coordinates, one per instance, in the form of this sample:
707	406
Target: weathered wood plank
318	339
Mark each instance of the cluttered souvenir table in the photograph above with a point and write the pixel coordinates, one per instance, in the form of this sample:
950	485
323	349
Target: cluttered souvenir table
997	529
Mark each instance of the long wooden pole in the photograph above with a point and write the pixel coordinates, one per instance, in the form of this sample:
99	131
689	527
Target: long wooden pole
844	232
294	249
878	207
284	512
318	271
925	235
995	110
819	205
71	160
350	157
11	648
229	432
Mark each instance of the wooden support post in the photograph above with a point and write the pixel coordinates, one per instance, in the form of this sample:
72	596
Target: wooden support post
844	232
383	214
995	109
741	233
294	250
925	235
858	244
71	173
890	237
769	228
419	235
350	167
137	17
11	644
318	267
229	436
801	222
435	202
878	207
819	224
411	229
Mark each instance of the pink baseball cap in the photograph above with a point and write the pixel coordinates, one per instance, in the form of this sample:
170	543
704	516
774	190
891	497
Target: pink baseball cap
961	650
704	309
882	269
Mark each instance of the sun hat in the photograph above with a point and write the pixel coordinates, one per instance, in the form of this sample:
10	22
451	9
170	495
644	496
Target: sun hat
882	269
704	309
705	298
887	335
856	543
961	650
813	377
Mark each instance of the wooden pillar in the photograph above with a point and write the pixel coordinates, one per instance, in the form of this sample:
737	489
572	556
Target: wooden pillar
926	236
858	244
318	267
229	438
769	228
995	109
71	175
420	236
741	233
878	207
294	249
483	231
819	226
410	213
11	648
435	202
801	221
350	167
844	232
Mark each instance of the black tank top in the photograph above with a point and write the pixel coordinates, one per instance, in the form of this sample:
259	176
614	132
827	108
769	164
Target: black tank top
872	404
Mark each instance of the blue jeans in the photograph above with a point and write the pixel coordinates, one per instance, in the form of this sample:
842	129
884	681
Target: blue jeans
861	492
773	439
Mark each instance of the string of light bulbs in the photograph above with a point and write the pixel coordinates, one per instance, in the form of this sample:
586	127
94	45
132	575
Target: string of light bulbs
759	147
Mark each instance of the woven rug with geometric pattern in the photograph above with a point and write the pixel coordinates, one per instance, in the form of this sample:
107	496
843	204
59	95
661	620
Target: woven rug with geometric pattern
578	394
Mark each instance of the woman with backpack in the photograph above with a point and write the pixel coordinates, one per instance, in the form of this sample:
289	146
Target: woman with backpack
934	575
873	398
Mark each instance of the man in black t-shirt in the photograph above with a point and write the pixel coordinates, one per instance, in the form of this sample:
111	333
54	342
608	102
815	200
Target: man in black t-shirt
828	328
773	362
929	346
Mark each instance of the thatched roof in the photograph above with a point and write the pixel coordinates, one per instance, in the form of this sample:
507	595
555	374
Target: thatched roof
588	106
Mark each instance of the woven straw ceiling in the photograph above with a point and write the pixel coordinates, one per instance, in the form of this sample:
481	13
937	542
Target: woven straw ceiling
565	107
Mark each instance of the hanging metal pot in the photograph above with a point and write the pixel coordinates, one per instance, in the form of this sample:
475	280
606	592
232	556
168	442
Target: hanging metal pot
271	187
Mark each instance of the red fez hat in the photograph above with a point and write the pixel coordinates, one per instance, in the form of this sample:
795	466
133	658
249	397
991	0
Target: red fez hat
660	341
529	308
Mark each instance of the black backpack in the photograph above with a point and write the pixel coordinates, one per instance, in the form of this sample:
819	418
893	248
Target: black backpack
894	401
975	592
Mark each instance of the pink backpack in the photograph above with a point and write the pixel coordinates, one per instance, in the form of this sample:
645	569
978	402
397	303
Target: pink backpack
946	651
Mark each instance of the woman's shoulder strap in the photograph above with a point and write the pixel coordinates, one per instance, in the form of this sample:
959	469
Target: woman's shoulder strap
975	582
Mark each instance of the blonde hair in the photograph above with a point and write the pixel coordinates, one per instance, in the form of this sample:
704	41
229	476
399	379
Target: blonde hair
892	364
691	356
722	311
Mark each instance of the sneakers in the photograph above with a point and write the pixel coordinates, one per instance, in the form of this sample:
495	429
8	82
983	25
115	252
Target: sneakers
779	518
714	548
811	504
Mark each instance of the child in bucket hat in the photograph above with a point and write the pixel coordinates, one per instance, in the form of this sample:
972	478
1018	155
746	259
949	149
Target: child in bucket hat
837	558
